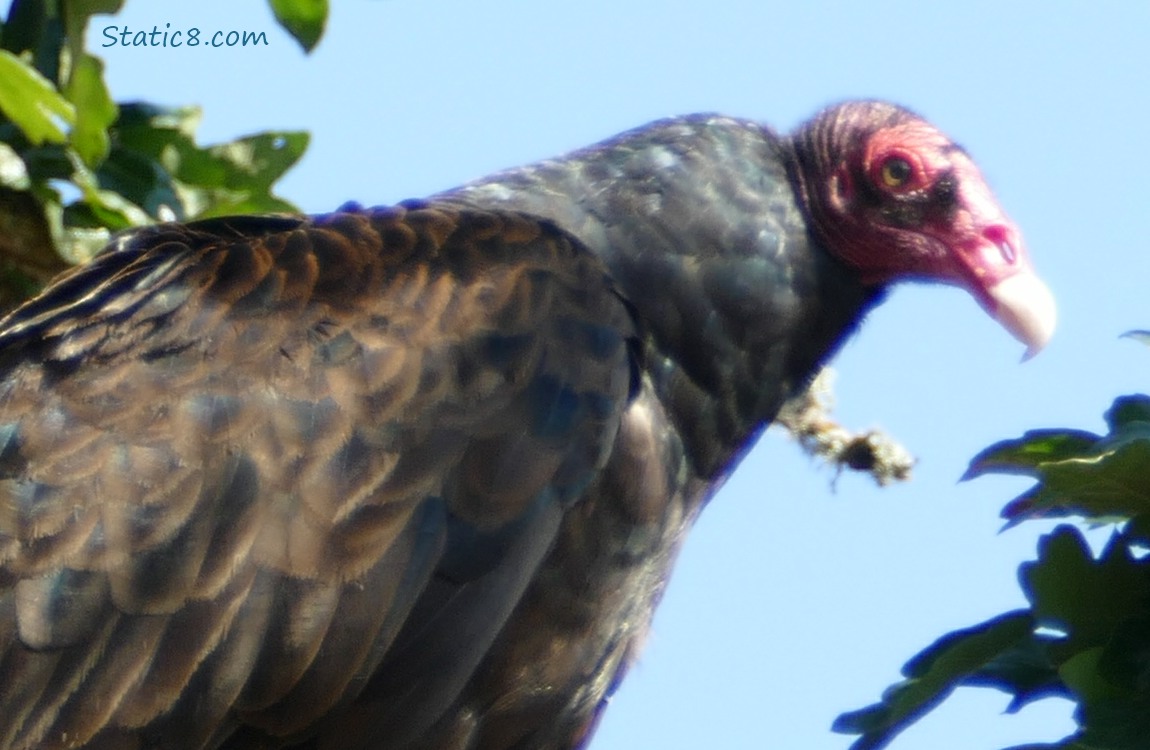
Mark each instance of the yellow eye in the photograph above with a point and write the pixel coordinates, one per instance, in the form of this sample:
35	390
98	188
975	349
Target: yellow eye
896	171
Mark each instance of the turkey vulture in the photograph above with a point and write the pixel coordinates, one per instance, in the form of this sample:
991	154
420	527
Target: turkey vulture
413	478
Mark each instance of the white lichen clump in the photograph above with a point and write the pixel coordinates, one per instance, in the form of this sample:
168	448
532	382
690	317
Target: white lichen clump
808	418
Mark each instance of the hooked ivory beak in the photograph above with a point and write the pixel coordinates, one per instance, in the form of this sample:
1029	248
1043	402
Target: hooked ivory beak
1025	307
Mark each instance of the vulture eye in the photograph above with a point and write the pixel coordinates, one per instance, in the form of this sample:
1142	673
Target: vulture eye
896	172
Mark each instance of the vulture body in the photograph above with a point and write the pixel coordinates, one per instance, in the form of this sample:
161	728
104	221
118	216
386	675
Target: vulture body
413	478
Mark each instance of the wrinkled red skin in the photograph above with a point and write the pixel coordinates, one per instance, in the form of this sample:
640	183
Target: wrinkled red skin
964	239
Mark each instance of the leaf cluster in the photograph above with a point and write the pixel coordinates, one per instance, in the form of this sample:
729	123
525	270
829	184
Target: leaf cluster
1086	633
76	166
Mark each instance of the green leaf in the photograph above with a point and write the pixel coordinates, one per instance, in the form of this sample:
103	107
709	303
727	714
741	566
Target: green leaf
1079	473
1141	336
77	15
303	19
157	163
932	675
1085	598
23	27
1080	673
1109	486
1137	530
35	31
1026	671
95	110
48	162
1029	452
87	8
1112	716
252	157
111	209
142	181
1124	660
32	102
1129	413
236	177
139	118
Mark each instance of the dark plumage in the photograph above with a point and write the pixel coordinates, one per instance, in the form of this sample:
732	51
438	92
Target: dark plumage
414	477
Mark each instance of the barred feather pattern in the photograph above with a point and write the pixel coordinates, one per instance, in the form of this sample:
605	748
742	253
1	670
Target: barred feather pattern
234	454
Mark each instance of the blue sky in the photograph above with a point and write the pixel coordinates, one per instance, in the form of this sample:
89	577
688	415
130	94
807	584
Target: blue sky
794	599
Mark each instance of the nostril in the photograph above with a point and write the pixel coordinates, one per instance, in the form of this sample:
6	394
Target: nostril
1000	237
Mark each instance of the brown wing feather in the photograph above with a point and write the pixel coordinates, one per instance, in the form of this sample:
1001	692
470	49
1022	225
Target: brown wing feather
235	454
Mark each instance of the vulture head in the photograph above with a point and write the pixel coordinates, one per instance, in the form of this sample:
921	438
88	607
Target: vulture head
894	198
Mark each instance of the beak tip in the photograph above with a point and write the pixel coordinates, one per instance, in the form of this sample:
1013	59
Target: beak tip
1025	307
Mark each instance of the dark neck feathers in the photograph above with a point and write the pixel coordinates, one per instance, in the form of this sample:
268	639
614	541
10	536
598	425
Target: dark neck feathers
701	225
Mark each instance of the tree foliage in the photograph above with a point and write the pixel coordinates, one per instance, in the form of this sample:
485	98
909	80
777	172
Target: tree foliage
1086	633
76	166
